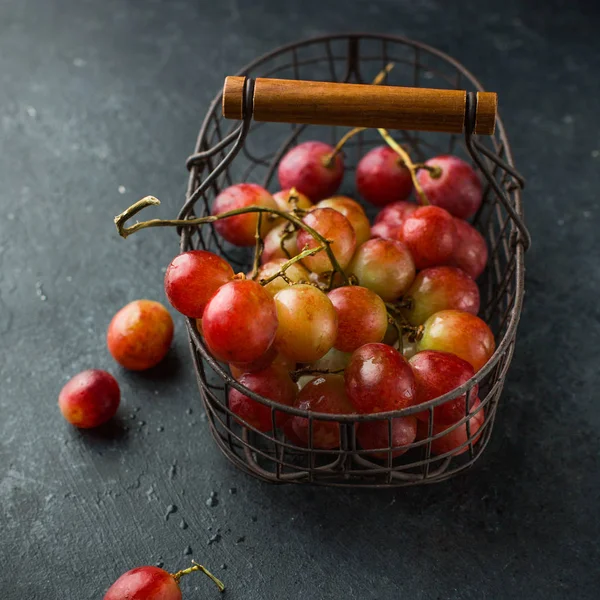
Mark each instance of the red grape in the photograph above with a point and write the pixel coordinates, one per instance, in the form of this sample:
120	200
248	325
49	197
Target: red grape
430	235
272	244
272	383
152	583
457	188
240	322
334	226
459	333
192	278
271	358
354	212
372	435
307	323
458	436
385	230
397	212
295	273
379	379
140	334
440	288
390	219
362	317
308	168
471	251
144	583
324	394
382	177
437	373
385	267
262	362
89	399
241	229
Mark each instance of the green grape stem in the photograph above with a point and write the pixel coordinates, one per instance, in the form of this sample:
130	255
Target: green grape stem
286	265
135	208
197	567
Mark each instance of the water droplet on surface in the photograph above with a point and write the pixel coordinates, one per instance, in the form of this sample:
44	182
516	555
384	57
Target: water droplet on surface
173	471
141	423
79	62
241	539
189	411
212	501
183	524
192	423
213	539
160	428
213	494
254	519
233	491
187	551
170	510
40	291
31	112
122	189
223	566
203	417
159	563
132	416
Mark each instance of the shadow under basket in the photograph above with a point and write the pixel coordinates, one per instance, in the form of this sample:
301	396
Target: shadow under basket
229	152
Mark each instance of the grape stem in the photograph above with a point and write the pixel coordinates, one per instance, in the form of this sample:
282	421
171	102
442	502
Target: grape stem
286	265
392	321
434	170
415	333
328	160
196	567
295	375
258	248
288	231
412	168
135	208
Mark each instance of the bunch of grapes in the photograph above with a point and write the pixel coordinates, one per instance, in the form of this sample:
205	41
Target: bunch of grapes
342	316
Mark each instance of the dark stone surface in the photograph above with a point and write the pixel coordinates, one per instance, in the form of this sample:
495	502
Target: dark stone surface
97	95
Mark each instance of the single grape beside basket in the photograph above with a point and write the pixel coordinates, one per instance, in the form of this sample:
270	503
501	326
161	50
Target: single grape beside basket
330	435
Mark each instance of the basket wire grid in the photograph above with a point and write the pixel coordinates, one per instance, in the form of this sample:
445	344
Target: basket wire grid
357	58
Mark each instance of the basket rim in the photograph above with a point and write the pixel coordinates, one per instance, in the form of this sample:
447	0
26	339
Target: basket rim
509	335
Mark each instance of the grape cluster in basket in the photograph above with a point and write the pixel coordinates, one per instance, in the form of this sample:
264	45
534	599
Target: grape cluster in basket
340	316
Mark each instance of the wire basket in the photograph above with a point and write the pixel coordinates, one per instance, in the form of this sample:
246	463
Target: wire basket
357	58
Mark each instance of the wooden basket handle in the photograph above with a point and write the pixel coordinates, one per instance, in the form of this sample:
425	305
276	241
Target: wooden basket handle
357	105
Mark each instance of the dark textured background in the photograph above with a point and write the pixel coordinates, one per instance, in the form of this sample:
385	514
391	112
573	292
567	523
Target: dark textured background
95	95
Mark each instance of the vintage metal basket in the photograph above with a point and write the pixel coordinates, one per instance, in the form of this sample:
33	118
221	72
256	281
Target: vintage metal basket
229	152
